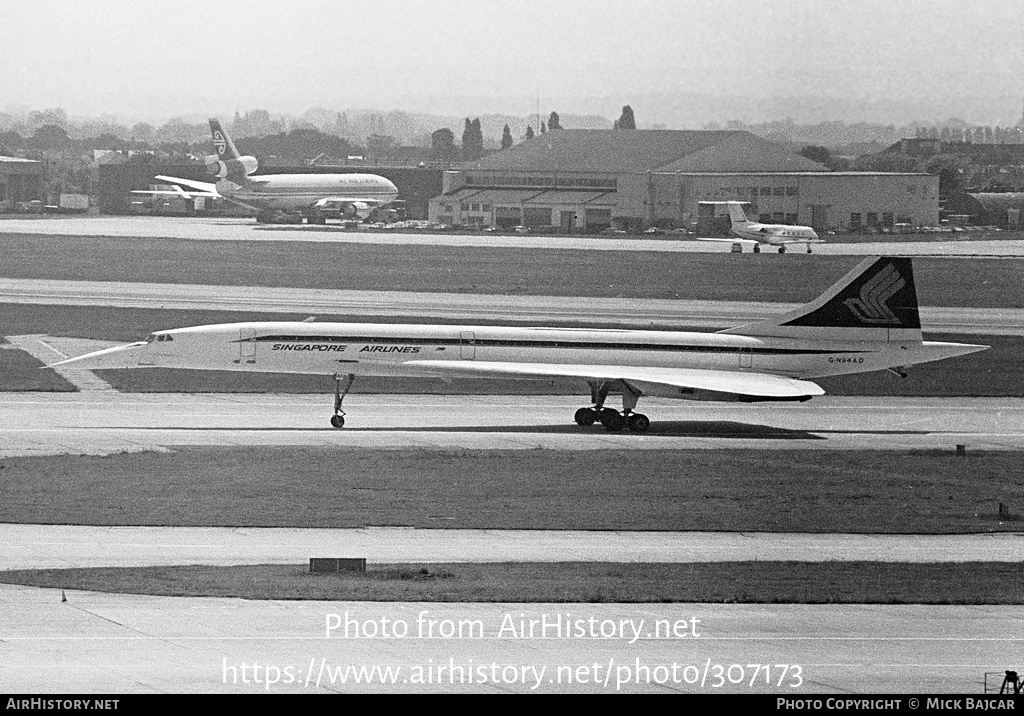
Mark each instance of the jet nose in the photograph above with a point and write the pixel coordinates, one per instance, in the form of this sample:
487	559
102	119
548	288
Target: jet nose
119	357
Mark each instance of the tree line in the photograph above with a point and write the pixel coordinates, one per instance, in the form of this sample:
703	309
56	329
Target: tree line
444	149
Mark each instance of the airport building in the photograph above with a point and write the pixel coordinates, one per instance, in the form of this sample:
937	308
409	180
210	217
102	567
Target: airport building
20	180
590	180
1002	209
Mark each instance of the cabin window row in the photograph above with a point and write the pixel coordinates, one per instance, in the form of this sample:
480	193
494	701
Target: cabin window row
754	192
871	219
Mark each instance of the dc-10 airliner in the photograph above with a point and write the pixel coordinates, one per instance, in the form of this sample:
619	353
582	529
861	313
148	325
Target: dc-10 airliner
868	321
282	197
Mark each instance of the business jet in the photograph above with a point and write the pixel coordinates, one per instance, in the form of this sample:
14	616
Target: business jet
867	322
751	233
284	198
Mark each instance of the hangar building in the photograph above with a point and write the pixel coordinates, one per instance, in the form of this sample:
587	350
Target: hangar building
1002	209
20	180
589	180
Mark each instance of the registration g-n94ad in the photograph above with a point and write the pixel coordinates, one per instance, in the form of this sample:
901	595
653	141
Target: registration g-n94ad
868	321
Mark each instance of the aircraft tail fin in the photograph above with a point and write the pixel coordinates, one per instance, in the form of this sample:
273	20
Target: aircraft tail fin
875	301
222	142
737	215
227	163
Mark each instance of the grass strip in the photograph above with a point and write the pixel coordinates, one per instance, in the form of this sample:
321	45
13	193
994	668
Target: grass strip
793	278
858	492
566	583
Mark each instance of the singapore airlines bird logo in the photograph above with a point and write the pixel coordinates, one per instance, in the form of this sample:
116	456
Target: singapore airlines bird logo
872	307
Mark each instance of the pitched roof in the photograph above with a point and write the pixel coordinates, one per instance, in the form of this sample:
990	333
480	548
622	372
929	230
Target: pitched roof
628	151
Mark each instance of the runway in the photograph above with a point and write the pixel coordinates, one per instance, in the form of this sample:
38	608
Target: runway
35	424
66	547
226	229
98	643
660	313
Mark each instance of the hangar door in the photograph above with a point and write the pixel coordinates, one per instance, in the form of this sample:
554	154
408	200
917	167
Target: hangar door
819	217
599	219
507	217
535	217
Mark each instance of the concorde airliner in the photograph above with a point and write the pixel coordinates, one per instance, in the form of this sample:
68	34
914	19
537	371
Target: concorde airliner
866	322
282	197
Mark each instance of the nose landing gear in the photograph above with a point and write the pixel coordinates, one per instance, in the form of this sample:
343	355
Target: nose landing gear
338	421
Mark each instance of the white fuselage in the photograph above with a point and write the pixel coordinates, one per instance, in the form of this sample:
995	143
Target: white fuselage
776	234
386	350
294	192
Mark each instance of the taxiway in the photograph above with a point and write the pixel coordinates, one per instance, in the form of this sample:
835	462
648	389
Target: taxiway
67	546
225	229
104	423
101	643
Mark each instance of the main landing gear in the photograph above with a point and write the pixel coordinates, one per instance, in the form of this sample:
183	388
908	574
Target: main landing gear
274	216
338	421
612	420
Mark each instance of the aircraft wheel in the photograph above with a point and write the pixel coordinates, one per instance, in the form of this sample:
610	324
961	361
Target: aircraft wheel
782	249
757	249
585	417
614	424
809	250
338	422
638	423
607	414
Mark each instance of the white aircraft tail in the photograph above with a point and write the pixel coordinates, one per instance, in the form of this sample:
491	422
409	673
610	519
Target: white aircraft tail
876	301
737	215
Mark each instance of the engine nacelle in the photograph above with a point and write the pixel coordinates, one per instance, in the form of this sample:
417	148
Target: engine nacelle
344	209
358	210
232	168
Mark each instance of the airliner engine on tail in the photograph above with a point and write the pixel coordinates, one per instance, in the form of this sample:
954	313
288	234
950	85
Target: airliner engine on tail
867	322
281	197
755	234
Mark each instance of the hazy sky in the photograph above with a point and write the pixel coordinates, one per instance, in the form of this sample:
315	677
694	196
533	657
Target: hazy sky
161	59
